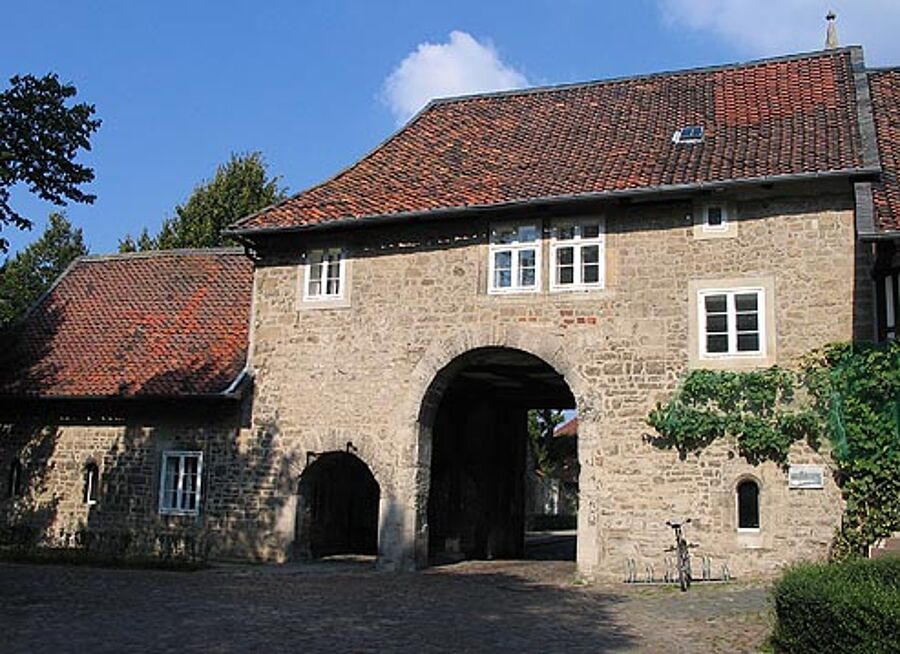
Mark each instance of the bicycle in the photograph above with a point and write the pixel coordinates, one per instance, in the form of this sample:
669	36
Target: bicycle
684	555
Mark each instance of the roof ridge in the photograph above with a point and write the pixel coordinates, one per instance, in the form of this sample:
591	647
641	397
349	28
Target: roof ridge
565	86
150	254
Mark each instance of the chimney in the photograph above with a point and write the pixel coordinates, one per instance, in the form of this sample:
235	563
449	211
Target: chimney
831	39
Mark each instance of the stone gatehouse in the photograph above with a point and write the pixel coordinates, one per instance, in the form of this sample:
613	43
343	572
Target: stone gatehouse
577	247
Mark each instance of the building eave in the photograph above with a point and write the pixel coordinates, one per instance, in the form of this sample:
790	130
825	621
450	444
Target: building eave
664	191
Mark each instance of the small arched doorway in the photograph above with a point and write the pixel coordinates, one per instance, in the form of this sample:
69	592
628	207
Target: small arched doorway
337	508
475	421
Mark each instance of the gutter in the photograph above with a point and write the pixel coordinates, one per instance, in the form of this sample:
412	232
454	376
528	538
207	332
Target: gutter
877	237
231	392
247	234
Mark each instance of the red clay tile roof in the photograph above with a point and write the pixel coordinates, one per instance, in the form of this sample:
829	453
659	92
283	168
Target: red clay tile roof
170	323
568	428
787	116
885	89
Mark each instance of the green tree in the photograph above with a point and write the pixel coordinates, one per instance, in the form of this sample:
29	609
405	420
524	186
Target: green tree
40	136
25	277
240	187
542	423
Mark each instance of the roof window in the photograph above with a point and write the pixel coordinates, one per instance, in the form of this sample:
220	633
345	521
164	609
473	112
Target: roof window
689	134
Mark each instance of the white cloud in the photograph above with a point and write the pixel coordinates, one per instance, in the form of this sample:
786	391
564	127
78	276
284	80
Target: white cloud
772	27
433	70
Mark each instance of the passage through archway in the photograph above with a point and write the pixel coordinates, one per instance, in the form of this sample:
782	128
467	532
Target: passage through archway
476	413
337	508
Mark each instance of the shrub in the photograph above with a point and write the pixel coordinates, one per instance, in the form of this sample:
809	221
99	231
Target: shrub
847	607
554	522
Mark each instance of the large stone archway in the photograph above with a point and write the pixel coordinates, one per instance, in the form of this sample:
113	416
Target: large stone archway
404	533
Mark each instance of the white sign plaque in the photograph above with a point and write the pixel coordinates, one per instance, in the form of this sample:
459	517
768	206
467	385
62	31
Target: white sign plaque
806	476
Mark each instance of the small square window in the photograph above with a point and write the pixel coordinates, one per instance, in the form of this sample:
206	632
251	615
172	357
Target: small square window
325	275
715	218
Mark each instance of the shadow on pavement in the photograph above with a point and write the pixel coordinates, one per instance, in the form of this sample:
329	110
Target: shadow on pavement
339	606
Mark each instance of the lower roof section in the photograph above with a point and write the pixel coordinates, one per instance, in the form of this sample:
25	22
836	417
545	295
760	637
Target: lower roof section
163	324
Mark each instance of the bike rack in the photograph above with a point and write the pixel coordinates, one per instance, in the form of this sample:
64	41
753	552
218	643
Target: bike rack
669	576
670	573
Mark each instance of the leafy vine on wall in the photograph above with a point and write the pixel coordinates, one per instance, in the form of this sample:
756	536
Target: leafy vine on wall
848	393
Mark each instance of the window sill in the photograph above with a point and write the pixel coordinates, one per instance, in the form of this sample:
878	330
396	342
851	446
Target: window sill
594	288
324	303
513	291
733	362
732	356
177	513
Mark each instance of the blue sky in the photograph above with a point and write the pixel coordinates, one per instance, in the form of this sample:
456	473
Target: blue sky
313	86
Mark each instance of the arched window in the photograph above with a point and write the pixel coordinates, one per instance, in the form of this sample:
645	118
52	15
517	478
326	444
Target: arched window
14	489
91	483
748	504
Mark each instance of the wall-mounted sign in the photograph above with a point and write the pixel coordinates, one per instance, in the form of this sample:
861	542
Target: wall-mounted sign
806	476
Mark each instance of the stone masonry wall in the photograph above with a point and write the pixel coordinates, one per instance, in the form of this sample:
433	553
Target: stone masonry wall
417	299
129	454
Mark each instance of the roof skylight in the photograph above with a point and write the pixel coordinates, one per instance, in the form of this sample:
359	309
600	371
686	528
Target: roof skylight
689	134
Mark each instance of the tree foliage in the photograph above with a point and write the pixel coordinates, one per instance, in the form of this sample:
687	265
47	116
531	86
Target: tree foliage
855	388
542	423
849	393
240	187
25	277
40	136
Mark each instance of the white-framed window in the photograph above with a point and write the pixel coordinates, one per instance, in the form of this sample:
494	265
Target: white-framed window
747	499
714	217
325	276
91	483
179	483
577	256
732	322
515	258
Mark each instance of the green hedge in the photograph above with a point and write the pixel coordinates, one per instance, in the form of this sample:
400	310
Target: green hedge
852	606
554	522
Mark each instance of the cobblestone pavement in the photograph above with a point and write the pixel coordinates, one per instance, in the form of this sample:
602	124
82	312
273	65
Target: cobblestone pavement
506	606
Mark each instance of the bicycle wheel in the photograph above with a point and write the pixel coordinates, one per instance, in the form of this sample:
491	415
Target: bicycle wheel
684	569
